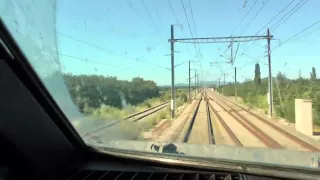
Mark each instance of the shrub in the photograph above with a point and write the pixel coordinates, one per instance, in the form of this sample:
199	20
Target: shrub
163	114
184	97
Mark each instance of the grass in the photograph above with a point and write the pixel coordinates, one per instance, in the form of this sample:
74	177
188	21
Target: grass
136	130
287	111
131	130
109	113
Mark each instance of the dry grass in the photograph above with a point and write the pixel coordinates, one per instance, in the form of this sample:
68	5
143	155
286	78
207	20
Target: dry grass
132	130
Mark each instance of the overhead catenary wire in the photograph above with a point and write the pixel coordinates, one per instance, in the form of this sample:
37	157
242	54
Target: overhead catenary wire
194	24
89	44
147	24
318	29
255	59
172	11
283	9
185	13
244	16
196	33
178	22
289	39
110	51
184	9
288	14
297	34
88	60
152	20
263	5
255	2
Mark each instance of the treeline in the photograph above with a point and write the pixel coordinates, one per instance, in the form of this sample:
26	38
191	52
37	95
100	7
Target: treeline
93	90
285	91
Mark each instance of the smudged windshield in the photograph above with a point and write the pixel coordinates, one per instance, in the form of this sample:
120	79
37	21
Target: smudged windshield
233	80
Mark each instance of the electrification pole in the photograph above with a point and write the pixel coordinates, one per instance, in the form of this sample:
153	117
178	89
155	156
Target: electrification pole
231	44
219	85
270	75
172	73
195	84
235	82
230	39
189	83
224	81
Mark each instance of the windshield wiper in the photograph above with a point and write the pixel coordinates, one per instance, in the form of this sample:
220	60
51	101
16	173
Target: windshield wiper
167	148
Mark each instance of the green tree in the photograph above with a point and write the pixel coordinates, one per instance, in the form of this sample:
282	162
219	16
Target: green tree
313	74
257	74
281	78
93	91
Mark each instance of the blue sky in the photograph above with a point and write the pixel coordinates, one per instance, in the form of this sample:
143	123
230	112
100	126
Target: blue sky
128	38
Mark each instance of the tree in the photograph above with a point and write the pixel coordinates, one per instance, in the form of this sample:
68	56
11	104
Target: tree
93	91
281	78
313	74
257	74
299	74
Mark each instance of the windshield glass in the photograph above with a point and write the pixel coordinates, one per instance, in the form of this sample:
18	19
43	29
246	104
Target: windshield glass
233	80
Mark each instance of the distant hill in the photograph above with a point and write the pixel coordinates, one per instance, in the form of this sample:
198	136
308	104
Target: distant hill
176	85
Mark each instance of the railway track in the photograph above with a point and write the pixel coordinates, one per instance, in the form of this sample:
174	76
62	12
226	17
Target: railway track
200	120
231	135
254	130
283	132
132	118
268	133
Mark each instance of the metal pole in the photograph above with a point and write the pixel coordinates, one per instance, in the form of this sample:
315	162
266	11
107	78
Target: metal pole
219	85
231	44
195	84
235	82
198	77
270	75
189	83
224	81
172	73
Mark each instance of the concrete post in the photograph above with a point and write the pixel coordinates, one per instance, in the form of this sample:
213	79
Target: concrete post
303	116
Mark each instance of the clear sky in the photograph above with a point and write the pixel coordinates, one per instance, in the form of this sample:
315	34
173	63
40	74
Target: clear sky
129	38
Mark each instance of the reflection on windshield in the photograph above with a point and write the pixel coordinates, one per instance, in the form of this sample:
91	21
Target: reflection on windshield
162	77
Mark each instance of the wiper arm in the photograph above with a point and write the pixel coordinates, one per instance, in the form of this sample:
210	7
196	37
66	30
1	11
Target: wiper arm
167	148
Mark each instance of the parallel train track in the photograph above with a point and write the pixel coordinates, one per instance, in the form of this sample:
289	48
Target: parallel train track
204	117
234	110
132	118
278	129
201	128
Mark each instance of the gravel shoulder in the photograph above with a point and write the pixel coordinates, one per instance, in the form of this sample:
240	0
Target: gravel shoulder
172	132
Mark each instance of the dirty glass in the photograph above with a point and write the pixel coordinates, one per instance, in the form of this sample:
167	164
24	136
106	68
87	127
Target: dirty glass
233	80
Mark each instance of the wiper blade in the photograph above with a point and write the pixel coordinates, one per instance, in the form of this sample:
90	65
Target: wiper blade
166	148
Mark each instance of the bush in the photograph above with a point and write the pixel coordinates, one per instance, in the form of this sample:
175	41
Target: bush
289	111
163	114
87	109
179	103
184	97
146	104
